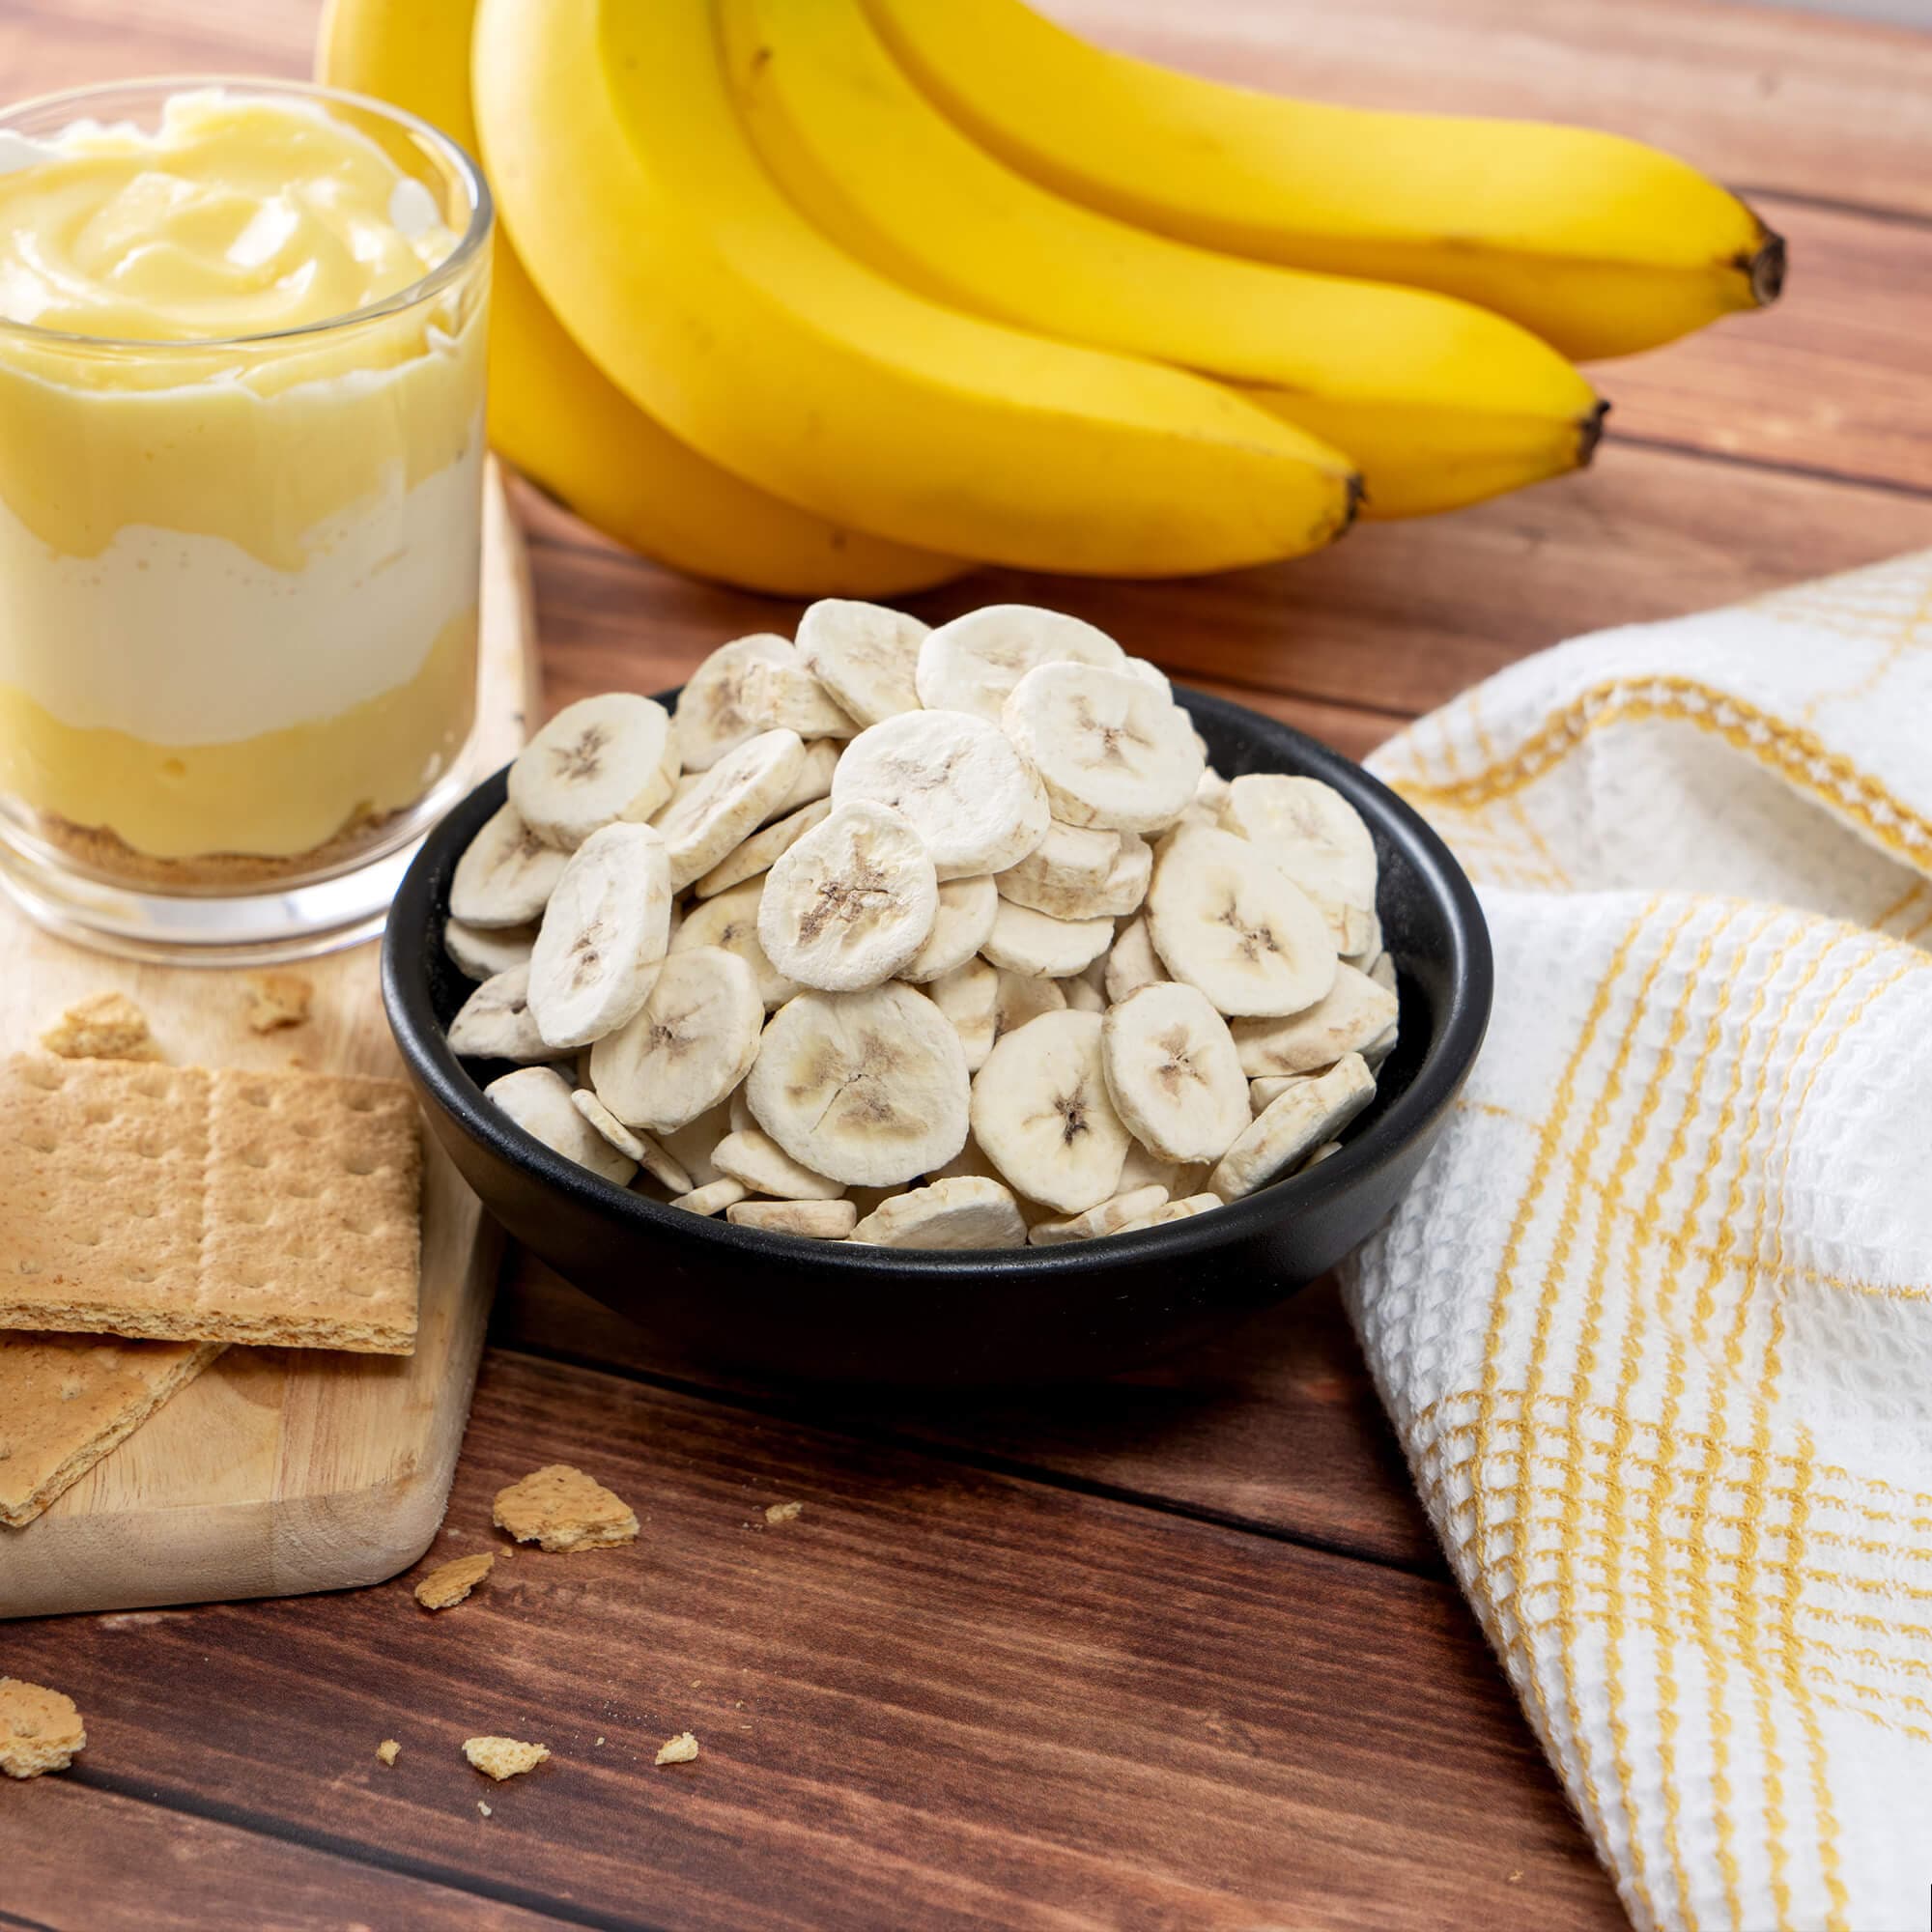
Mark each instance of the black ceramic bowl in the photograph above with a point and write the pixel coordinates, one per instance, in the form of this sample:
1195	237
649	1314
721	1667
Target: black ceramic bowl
779	1307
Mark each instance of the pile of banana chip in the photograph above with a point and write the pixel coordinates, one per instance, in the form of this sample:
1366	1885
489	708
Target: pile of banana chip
921	938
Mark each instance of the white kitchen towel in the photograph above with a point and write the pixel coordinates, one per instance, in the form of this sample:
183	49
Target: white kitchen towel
1655	1325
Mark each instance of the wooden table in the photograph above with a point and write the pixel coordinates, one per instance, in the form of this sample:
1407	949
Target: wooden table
1178	1653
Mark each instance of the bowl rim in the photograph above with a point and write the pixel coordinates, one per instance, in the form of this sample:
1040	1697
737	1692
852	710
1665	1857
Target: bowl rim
414	928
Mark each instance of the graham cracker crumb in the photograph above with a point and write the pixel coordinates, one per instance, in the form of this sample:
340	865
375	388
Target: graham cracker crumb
388	1750
278	1000
483	1807
503	1757
39	1729
776	1513
103	1026
680	1749
559	1508
451	1582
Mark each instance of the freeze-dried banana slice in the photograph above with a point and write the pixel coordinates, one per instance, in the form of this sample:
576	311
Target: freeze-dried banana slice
1172	1073
1320	1153
711	718
865	655
640	1148
713	1197
969	997
968	793
1291	1125
1270	1087
692	1146
1364	940
730	921
1353	1012
728	803
482	952
1183	1209
763	849
1382	972
816	1220
538	1099
506	873
598	762
972	663
1021	997
1042	1113
1310	831
1065	872
1133	962
1210	791
1110	749
1080	993
865	1088
783	695
1380	1047
1128	880
1143	1169
687	1047
1108	1218
495	1022
738	1111
1042	948
753	1158
814	777
1225	919
851	903
603	936
959	929
959	1212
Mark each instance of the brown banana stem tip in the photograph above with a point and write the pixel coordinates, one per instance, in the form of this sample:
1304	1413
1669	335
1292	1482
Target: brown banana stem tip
1766	270
1590	433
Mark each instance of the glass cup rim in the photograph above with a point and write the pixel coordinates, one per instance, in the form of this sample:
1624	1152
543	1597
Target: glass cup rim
482	208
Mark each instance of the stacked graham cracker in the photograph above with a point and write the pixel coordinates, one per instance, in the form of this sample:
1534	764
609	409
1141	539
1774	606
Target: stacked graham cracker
151	1215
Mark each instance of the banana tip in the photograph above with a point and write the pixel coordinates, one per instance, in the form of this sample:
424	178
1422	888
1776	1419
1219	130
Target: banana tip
1590	433
1765	268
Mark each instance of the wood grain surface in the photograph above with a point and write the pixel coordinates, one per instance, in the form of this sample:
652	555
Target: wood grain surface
1177	1652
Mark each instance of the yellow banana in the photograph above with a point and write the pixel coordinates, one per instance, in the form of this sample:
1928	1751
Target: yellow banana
1599	245
552	412
1437	402
645	218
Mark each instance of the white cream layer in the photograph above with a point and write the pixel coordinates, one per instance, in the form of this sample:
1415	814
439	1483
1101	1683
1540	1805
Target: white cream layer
178	639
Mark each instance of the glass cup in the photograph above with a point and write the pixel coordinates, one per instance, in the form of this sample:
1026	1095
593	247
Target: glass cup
239	588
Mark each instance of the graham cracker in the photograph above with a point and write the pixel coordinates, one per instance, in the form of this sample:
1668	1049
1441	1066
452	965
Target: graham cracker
103	1026
448	1584
176	1203
67	1400
39	1729
559	1508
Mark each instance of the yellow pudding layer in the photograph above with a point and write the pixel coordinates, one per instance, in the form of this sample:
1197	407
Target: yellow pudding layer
276	795
239	450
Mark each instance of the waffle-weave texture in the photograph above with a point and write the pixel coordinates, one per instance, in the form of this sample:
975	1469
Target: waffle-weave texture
1655	1327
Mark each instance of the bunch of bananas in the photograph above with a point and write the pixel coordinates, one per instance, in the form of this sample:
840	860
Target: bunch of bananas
842	297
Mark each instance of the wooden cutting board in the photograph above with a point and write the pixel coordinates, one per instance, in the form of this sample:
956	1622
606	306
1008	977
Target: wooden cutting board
280	1471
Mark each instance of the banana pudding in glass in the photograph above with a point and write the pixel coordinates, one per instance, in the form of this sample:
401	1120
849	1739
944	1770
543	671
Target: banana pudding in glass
242	359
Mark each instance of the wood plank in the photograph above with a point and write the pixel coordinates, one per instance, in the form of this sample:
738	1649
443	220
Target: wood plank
1395	619
1275	1428
940	1698
1760	97
146	1869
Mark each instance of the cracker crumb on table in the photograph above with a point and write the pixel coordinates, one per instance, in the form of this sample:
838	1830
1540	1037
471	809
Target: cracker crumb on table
680	1749
388	1750
448	1584
277	1000
40	1728
559	1508
503	1757
776	1513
